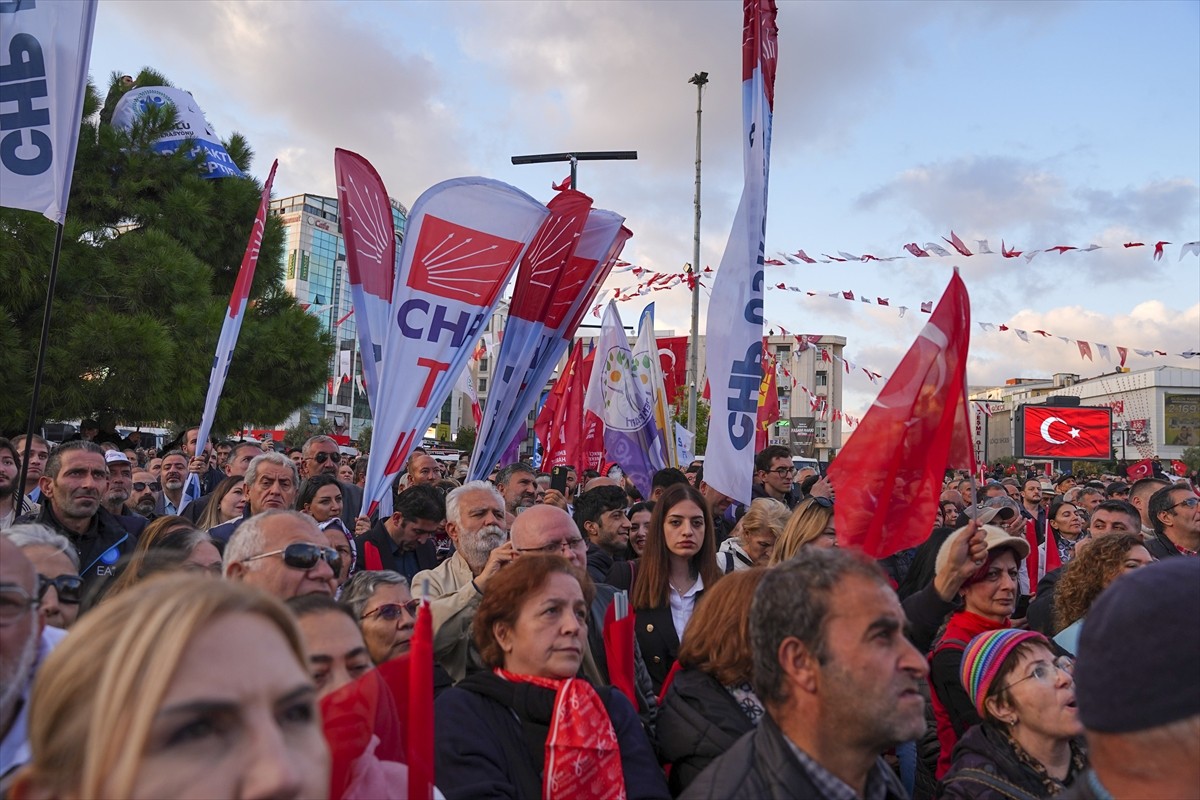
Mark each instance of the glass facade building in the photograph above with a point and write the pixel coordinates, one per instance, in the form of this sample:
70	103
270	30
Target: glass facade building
315	274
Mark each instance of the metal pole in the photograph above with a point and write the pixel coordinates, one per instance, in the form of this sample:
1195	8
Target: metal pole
574	175
353	364
700	79
31	423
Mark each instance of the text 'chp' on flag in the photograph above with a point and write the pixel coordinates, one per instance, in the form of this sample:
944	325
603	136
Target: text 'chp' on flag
1073	432
366	216
527	332
464	239
47	47
889	475
734	334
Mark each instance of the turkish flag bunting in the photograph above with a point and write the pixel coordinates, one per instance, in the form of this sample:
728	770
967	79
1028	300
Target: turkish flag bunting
1142	469
1068	433
889	475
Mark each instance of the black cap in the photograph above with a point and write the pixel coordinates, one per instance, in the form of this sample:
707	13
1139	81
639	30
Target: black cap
1139	650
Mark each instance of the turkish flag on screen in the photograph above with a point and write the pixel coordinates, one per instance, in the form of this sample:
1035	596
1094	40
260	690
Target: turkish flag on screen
1068	433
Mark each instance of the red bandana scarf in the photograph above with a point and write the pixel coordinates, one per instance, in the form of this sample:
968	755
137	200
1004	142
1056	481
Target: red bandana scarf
583	758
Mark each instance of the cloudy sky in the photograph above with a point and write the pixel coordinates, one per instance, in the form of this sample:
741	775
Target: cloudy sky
1039	123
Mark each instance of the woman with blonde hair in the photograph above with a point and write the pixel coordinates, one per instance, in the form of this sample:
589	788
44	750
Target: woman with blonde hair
754	536
1091	571
181	687
811	523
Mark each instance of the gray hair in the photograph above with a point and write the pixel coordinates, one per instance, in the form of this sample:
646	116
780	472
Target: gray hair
249	539
793	602
359	590
318	439
54	462
505	474
455	497
35	534
279	460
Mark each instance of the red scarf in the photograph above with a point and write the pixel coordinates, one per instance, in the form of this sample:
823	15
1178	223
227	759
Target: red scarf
583	757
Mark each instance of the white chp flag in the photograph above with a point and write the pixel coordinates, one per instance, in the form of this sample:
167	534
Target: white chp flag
45	47
734	332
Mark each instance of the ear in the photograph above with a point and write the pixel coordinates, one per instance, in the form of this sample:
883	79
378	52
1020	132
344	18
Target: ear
503	636
46	484
237	571
799	665
590	528
998	709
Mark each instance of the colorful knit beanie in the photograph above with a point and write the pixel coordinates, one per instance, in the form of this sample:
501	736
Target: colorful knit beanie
983	658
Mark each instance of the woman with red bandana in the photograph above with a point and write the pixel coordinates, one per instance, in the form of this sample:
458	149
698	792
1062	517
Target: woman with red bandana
531	727
989	598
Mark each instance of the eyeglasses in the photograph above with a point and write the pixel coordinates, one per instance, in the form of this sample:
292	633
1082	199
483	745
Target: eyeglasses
302	555
390	612
68	587
14	602
1191	502
321	458
1047	672
554	548
782	472
139	486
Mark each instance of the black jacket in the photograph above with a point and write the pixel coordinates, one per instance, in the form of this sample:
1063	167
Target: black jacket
100	546
1040	612
698	721
658	642
1161	547
377	544
761	766
985	749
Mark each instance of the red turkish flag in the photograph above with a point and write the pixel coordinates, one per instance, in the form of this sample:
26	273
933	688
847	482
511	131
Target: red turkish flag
889	475
673	358
1079	432
1179	468
1142	469
768	404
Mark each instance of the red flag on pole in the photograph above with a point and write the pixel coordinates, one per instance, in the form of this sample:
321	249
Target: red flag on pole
1178	467
419	741
618	649
1142	469
889	475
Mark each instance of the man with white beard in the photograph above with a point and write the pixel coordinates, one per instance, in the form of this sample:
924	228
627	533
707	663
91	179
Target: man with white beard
25	641
475	521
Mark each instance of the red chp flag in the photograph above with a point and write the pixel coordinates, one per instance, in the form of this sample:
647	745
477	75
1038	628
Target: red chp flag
889	475
1076	432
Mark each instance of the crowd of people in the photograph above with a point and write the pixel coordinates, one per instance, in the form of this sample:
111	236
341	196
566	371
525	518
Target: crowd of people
587	641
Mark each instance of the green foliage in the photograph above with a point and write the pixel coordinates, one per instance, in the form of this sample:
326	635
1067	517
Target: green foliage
151	251
301	432
363	442
1191	457
465	441
702	412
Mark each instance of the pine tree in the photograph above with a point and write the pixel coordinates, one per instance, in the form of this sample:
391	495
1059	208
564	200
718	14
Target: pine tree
150	254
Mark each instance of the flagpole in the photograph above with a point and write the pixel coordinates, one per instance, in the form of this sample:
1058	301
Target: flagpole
31	423
700	79
353	359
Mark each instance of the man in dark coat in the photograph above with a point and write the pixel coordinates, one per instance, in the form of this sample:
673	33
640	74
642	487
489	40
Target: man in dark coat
404	541
839	681
1174	513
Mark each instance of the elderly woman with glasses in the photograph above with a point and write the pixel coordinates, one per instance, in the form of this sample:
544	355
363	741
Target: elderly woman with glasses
1028	744
385	610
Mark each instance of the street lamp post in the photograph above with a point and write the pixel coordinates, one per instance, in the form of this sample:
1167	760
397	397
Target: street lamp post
699	79
575	158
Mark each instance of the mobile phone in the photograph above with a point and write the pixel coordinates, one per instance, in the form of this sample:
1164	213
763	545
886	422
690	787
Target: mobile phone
558	480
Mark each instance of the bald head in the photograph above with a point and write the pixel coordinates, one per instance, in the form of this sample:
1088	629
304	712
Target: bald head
601	481
544	526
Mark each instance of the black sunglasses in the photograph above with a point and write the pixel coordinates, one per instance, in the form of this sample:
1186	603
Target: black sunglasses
392	611
68	587
321	458
139	486
305	556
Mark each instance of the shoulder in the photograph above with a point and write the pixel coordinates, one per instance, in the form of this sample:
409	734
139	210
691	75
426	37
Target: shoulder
734	774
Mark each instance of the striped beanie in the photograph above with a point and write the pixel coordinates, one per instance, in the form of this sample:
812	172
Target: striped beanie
983	657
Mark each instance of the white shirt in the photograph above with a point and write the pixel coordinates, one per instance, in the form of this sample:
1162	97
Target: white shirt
682	605
14	747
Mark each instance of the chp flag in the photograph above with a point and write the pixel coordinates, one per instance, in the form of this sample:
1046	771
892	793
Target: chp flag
734	357
464	238
230	329
1076	433
370	235
47	47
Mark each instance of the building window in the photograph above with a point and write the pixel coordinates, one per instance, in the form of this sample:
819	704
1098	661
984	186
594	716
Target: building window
483	364
483	384
822	378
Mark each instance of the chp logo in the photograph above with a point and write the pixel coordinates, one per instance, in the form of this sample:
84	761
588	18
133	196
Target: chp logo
459	263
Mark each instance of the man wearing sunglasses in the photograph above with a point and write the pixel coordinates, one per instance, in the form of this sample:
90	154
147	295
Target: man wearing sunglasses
1175	514
142	497
59	587
283	553
321	456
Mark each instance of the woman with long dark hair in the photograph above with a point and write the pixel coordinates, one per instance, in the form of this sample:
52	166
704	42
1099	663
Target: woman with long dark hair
678	563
